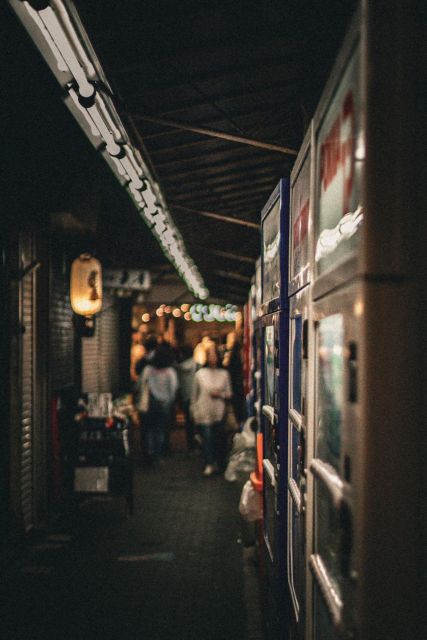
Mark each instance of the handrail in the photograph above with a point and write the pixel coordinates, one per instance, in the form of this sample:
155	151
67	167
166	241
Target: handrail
269	413
296	418
269	469
330	479
296	495
329	594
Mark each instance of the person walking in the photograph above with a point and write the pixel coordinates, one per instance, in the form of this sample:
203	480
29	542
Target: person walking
211	390
161	381
232	361
150	346
186	369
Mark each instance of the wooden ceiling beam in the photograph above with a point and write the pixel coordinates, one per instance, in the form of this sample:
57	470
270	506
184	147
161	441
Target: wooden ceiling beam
213	133
232	256
232	275
216	216
222	169
208	146
219	187
227	199
273	109
218	157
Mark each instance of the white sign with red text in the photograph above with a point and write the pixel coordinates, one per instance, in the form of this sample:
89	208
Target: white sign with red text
339	164
300	219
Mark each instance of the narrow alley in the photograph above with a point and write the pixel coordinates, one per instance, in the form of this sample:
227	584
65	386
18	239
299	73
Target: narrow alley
213	311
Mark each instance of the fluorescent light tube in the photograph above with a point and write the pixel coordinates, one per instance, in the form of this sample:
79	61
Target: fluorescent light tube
130	170
132	158
59	37
112	147
80	50
105	112
60	62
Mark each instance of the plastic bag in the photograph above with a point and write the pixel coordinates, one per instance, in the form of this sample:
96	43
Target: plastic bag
242	459
250	503
240	463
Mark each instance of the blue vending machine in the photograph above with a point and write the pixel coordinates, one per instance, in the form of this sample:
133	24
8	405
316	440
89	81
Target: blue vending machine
299	397
274	405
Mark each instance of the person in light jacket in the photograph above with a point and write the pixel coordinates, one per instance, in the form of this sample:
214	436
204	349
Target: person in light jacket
162	381
211	390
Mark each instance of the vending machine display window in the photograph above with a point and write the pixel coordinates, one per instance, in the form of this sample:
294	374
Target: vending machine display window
269	364
299	225
271	255
275	250
296	337
330	389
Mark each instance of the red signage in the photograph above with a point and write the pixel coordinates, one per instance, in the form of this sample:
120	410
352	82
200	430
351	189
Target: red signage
301	224
337	151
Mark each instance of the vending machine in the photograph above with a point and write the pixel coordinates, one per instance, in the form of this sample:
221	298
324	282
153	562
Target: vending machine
299	417
274	400
337	304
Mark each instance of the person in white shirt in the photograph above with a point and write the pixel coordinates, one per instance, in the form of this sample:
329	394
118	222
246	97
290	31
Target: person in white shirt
211	389
162	381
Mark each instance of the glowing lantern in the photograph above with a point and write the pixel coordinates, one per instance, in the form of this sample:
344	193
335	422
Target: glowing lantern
86	285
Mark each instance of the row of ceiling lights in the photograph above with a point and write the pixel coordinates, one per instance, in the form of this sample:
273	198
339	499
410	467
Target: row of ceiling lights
176	313
79	72
196	312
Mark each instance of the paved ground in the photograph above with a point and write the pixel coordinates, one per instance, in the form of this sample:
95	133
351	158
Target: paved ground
173	570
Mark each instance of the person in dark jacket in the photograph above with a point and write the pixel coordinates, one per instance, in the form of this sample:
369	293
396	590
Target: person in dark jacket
186	368
232	362
150	348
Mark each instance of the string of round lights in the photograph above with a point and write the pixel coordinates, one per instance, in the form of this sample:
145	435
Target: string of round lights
196	313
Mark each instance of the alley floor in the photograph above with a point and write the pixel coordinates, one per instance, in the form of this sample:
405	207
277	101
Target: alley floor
172	570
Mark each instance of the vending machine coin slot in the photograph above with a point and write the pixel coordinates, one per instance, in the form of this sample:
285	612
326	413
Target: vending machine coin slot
305	340
352	372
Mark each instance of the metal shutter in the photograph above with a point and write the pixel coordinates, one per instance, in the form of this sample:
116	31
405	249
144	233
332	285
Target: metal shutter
100	354
61	333
27	365
90	363
109	350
